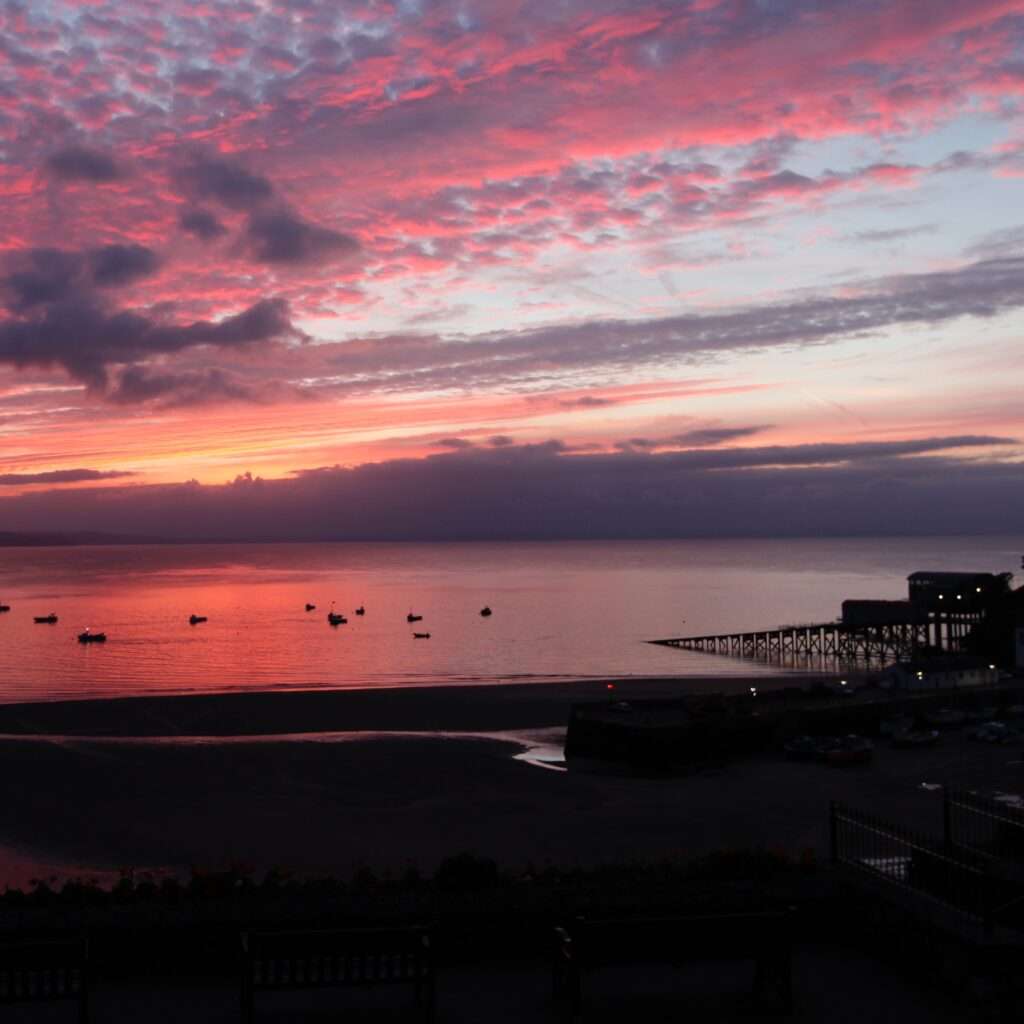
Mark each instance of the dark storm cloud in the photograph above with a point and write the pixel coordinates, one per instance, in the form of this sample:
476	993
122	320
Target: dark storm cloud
810	454
138	385
710	437
714	435
202	224
44	276
541	491
121	264
78	163
280	236
275	234
41	276
84	338
227	182
60	476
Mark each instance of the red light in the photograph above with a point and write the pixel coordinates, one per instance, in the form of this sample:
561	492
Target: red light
610	686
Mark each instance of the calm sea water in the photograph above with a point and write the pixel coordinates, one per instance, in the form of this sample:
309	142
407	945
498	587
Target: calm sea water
561	609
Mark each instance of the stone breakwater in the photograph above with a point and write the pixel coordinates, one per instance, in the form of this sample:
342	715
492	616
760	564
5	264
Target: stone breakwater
712	728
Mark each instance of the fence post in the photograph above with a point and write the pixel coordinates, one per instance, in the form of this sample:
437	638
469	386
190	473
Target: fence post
947	821
833	832
988	900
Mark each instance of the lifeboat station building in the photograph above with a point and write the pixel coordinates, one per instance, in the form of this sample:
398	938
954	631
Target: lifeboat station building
956	592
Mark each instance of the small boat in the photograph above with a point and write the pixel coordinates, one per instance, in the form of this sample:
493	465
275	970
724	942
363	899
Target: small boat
850	750
360	610
413	618
92	638
421	636
52	617
193	619
336	619
485	611
310	607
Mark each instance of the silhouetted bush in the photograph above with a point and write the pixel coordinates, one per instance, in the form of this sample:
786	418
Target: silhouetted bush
727	865
466	871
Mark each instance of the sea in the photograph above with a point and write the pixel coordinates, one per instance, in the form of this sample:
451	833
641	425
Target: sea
560	610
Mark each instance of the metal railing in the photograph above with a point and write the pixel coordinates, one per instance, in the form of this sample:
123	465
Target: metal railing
984	825
953	877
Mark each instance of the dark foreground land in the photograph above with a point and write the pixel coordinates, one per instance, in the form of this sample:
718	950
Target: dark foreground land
377	787
328	782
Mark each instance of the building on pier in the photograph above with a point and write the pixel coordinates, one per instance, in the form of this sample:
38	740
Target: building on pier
945	613
961	591
859	613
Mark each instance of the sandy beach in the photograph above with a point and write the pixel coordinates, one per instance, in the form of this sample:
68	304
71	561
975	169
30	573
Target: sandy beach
324	782
427	708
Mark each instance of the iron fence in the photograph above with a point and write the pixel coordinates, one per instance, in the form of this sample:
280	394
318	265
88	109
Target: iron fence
956	878
991	826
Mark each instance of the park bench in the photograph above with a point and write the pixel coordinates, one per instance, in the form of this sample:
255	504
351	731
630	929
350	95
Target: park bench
337	958
45	970
586	945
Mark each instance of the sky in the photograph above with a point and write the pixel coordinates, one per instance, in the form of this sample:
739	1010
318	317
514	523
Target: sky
582	268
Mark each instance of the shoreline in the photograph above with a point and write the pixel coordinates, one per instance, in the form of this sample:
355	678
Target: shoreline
94	786
488	707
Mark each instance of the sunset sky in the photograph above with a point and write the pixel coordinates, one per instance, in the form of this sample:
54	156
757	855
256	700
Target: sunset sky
451	269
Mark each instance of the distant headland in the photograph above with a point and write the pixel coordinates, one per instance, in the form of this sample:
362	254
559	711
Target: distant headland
73	538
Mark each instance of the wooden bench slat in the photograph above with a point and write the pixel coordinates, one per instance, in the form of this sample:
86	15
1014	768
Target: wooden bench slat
45	970
337	958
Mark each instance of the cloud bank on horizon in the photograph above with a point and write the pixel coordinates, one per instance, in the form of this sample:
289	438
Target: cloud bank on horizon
629	269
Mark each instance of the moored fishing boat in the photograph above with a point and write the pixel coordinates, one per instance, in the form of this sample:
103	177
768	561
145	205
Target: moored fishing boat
850	749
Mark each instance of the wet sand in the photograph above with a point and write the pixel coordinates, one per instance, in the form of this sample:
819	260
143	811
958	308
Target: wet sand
330	803
428	708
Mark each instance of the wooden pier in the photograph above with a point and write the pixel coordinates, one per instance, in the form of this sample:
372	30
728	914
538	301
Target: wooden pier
940	614
864	644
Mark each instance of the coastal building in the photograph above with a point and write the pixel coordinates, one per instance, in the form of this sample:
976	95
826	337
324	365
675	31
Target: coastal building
940	673
956	592
956	613
858	612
